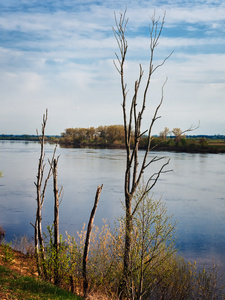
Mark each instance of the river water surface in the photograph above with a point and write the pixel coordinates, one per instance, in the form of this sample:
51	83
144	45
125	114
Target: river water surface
194	192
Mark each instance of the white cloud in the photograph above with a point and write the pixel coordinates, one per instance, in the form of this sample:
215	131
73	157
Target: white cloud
195	14
62	60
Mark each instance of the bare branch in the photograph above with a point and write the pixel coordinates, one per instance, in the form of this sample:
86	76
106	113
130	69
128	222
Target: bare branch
163	62
49	175
157	174
149	134
191	128
154	159
32	225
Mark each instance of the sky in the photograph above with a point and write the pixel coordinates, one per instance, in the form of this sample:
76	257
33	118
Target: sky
58	54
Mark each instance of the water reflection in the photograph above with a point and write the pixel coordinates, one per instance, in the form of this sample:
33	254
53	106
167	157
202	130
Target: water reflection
194	193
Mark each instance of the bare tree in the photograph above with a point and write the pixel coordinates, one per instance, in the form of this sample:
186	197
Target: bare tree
164	133
57	195
178	133
132	118
41	185
87	240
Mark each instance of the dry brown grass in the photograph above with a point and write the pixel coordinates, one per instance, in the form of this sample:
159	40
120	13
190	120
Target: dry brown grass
22	264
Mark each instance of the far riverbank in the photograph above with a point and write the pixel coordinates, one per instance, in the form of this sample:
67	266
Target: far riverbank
189	144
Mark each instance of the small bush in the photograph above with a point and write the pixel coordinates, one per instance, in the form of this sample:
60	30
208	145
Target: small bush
8	254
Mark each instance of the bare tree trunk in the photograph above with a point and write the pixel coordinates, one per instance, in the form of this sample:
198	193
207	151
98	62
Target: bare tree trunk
87	241
39	241
128	240
37	256
56	222
41	188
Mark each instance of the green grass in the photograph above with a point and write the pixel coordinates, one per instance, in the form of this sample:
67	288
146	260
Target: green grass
16	286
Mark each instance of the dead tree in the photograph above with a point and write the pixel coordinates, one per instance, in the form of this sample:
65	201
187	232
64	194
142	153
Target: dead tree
41	185
87	240
56	206
57	195
132	122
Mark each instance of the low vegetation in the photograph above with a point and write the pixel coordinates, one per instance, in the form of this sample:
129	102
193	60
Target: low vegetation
19	279
190	144
158	272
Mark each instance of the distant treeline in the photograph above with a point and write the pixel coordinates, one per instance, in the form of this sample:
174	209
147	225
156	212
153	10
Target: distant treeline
102	136
27	137
194	144
211	137
113	137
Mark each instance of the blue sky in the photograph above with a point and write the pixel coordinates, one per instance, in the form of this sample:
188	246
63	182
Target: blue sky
59	55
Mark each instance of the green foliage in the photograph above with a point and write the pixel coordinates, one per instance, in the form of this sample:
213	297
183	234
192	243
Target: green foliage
8	254
203	142
183	141
171	142
207	284
26	288
157	271
153	243
61	263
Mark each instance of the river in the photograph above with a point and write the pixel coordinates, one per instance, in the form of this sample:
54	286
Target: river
194	192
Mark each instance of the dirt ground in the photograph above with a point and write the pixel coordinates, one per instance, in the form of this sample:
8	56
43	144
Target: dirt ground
19	262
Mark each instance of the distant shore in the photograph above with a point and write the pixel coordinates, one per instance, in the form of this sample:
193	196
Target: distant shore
189	144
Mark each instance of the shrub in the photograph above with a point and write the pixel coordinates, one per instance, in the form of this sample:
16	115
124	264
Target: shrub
203	142
8	254
157	271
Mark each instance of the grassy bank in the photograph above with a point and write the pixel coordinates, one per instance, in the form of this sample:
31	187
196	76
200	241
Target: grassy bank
19	279
172	279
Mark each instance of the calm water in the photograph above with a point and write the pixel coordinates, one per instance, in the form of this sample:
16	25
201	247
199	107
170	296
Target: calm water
194	193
